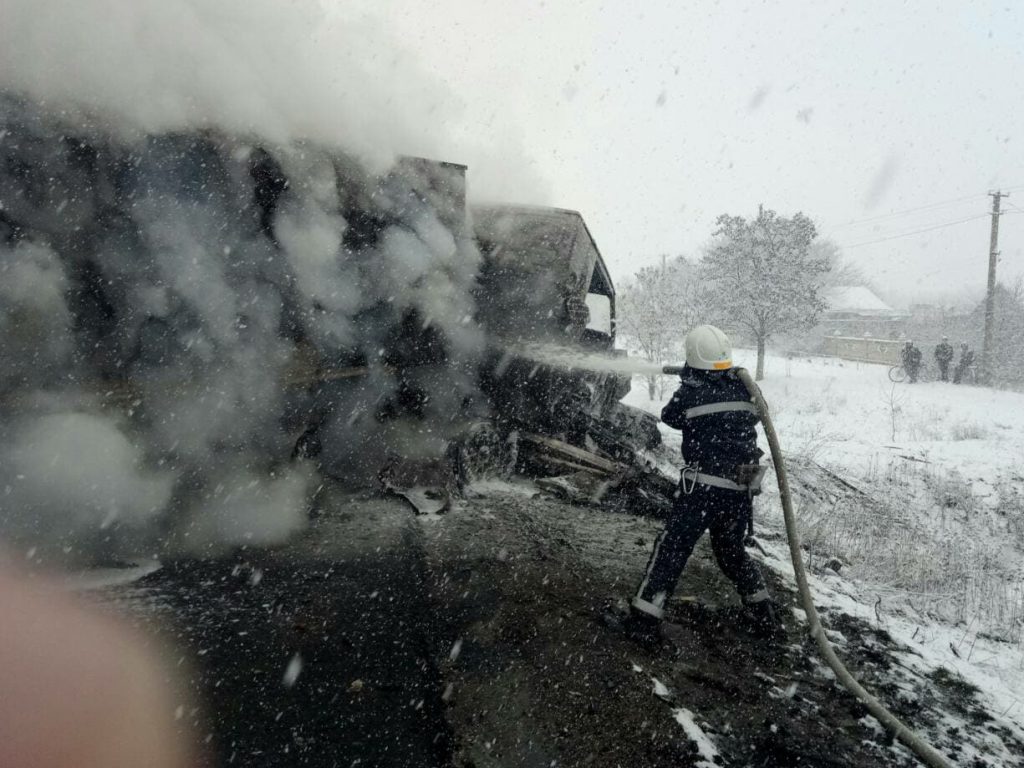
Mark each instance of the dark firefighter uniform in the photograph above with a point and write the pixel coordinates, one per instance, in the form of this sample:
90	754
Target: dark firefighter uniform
717	418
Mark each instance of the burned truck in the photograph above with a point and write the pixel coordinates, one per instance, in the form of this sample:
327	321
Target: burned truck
241	318
547	302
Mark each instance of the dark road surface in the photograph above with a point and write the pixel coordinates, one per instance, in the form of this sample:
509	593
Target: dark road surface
473	640
301	659
356	634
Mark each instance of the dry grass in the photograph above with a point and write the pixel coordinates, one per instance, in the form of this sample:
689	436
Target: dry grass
968	431
926	541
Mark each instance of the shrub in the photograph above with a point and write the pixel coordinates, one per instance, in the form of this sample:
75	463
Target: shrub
968	431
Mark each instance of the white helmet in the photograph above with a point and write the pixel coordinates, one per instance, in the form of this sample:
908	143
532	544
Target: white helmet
708	349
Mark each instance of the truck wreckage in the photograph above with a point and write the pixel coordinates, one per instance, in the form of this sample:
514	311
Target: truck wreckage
366	388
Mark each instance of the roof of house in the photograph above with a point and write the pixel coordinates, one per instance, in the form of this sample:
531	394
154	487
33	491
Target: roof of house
857	300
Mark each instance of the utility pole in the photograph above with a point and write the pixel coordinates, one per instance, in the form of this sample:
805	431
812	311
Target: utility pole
990	296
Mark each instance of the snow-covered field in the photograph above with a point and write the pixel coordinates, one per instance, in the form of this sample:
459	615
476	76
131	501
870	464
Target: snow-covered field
928	536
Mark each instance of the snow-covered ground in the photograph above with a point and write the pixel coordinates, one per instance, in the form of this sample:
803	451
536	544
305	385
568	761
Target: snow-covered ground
842	413
929	537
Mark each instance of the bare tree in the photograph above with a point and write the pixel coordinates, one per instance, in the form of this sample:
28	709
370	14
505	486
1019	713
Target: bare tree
895	403
762	276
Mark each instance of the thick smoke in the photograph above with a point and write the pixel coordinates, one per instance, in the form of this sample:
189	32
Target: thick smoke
279	70
35	324
282	70
200	217
70	477
171	306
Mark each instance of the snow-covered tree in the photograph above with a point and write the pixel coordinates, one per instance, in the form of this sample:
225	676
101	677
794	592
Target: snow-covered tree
763	277
841	271
658	307
1007	367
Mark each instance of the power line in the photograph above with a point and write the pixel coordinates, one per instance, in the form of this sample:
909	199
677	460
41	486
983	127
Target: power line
917	231
909	210
919	208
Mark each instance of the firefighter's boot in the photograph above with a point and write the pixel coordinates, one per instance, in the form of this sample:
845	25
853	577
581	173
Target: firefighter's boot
643	629
762	619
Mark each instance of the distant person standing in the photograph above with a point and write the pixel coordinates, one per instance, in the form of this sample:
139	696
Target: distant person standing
966	361
944	356
911	360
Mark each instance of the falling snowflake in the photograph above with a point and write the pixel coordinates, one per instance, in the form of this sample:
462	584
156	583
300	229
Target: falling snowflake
292	672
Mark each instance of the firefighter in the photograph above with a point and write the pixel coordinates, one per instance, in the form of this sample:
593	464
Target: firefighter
713	409
911	360
966	361
944	356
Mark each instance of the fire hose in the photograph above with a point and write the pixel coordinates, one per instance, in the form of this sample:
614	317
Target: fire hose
924	751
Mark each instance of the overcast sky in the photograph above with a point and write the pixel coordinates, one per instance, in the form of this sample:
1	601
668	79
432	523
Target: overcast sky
654	121
652	118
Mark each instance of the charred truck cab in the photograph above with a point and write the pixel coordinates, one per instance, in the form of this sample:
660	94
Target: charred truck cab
544	287
543	278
